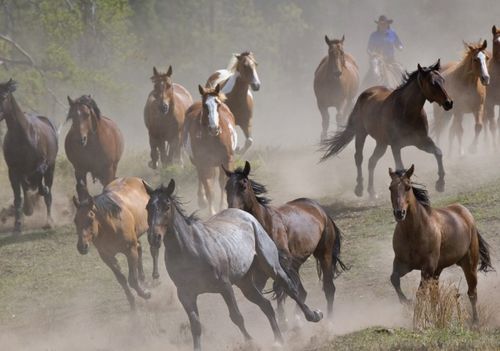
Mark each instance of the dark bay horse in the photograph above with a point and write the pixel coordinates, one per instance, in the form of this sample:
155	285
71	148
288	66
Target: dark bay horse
210	140
300	228
466	83
30	149
94	143
493	89
164	117
114	221
381	72
212	256
235	81
430	240
395	118
336	83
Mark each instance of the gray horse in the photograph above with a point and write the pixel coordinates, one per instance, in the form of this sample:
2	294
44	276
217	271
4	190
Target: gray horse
212	256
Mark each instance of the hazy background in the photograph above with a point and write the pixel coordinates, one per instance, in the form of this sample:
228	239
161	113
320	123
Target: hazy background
108	47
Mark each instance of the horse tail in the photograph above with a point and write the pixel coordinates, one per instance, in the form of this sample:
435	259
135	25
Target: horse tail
277	264
484	255
338	265
335	144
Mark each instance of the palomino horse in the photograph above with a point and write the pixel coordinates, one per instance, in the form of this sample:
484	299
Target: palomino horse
430	240
466	83
164	117
30	149
94	143
300	228
381	72
336	83
235	81
212	256
493	89
210	140
395	118
114	221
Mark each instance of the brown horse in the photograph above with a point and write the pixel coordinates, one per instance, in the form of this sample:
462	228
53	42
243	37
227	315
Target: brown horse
381	72
430	240
94	143
395	118
30	149
164	117
493	89
466	83
300	228
336	83
235	81
210	139
114	221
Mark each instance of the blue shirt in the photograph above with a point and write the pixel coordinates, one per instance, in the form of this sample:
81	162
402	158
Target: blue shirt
384	43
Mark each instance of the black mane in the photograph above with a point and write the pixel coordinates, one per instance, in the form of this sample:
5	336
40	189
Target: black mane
258	189
90	103
421	194
107	205
190	219
407	78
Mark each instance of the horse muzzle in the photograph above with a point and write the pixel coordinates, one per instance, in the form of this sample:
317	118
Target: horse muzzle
164	108
255	86
214	131
399	215
485	80
154	240
83	140
83	249
448	105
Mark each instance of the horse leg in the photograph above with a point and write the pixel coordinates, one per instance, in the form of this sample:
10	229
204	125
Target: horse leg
399	269
325	121
340	117
358	159
372	162
458	131
165	155
489	114
478	117
48	179
247	131
133	264
81	183
469	266
326	262
154	145
206	177
140	267
112	263
188	301
154	253
427	145
18	201
222	183
253	294
396	154
227	293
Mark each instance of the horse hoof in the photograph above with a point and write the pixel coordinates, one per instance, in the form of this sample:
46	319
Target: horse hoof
156	276
145	294
358	191
153	165
17	230
373	195
43	191
440	186
318	315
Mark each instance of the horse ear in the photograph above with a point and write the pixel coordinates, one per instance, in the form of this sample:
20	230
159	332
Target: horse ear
246	170
228	172
238	56
327	40
485	44
391	172
343	38
201	89
148	188
76	202
169	72
437	65
410	171
494	30
155	72
170	187
217	88
12	85
420	69
70	101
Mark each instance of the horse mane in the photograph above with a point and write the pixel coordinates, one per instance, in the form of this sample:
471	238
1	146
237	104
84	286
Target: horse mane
419	190
107	205
258	189
469	50
90	103
233	62
406	79
179	205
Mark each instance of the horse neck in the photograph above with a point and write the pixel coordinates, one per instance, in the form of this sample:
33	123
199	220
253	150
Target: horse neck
464	72
496	53
177	239
14	116
261	213
413	99
240	88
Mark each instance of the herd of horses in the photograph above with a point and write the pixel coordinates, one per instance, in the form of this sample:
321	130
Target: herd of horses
253	240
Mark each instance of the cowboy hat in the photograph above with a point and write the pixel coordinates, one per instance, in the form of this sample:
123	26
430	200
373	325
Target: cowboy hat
383	19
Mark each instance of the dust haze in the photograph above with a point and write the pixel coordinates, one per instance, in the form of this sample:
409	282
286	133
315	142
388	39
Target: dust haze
287	127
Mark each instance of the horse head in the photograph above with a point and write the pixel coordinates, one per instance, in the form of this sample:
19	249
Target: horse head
163	89
477	59
431	82
246	66
6	89
242	192
212	99
160	211
496	42
85	115
336	56
87	225
400	189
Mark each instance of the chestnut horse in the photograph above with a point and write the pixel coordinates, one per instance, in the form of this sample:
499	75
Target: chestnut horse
235	81
430	240
164	117
94	143
114	221
336	83
493	89
466	83
30	149
395	118
210	139
300	228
